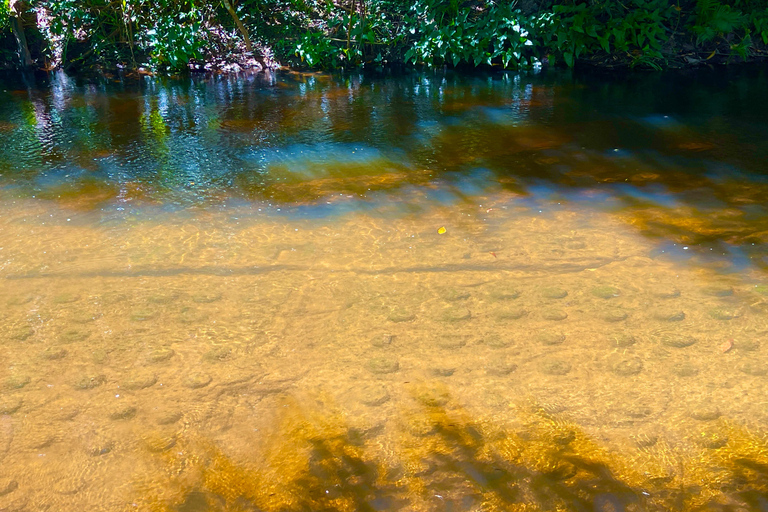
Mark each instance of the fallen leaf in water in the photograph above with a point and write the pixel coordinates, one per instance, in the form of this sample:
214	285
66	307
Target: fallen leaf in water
726	346
441	231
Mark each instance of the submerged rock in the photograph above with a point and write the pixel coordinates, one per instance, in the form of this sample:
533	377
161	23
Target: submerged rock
628	367
555	367
678	340
555	315
614	315
669	315
554	293
550	338
606	292
197	380
382	365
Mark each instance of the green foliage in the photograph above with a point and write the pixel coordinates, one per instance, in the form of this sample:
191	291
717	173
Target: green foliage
714	19
5	15
446	33
174	41
759	20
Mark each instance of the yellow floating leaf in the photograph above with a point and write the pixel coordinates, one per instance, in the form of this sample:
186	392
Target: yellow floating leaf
441	230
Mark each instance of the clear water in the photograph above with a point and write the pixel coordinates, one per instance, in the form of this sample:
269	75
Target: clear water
421	292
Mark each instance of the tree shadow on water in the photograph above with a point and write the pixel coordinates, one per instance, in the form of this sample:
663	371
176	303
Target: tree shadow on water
438	458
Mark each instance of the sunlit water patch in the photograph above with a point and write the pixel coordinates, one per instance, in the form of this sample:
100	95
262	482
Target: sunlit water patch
303	292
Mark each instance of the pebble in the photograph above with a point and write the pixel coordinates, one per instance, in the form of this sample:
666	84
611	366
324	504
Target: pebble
382	365
20	333
628	367
138	381
122	412
160	355
206	298
53	353
554	293
500	368
666	315
443	370
511	313
432	396
454	294
74	336
664	292
383	340
622	340
90	381
373	395
100	446
748	345
711	439
456	314
66	298
142	315
504	293
162	298
555	315
400	315
157	442
169	418
7	486
685	369
451	341
605	292
9	405
555	367
615	315
705	412
678	340
197	380
754	368
16	381
550	338
722	314
496	341
718	291
218	354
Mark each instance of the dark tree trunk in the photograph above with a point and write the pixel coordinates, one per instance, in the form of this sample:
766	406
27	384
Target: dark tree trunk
17	25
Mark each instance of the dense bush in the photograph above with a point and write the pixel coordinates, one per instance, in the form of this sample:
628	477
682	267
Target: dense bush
169	34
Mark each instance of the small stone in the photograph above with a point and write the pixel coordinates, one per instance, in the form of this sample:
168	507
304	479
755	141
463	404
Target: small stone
554	293
157	442
555	367
722	314
711	440
550	338
496	341
197	380
665	315
143	315
20	333
206	298
432	395
66	298
7	486
705	412
646	439
622	340
456	314
191	316
615	315
123	412
160	355
718	290
754	368
628	367
383	340
451	341
90	381
454	294
400	315
504	293
500	368
373	395
746	344
605	292
218	354
99	356
555	315
162	298
84	317
9	405
575	245
678	340
21	300
382	365
685	369
665	292
511	313
98	447
169	418
138	381
762	289
53	353
443	371
74	336
16	381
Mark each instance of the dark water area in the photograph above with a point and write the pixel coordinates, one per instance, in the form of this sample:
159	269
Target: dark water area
435	291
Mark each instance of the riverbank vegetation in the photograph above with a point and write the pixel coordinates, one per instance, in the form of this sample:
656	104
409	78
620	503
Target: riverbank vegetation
176	35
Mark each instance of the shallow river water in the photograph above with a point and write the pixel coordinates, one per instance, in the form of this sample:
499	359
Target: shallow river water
302	292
